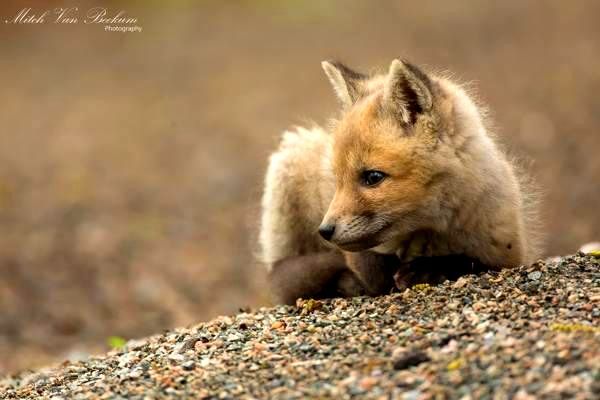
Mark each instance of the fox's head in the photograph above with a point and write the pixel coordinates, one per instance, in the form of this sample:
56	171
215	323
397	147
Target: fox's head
390	159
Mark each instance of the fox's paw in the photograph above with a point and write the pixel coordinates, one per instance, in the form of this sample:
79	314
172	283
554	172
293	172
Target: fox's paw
407	277
436	270
348	285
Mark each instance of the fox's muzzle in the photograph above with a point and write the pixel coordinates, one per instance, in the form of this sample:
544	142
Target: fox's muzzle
353	234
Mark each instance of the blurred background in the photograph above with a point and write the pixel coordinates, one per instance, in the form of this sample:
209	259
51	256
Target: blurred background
131	164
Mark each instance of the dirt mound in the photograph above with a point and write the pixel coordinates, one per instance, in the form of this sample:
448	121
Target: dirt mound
531	331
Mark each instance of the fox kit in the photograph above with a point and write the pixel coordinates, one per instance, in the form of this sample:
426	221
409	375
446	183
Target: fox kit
408	170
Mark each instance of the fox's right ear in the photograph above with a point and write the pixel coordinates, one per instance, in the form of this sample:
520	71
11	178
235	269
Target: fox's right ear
407	92
346	83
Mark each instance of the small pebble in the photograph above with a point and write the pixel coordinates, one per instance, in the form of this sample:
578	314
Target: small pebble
409	359
535	275
188	365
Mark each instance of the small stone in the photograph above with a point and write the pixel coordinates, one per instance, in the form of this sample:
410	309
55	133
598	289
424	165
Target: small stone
188	345
573	298
136	373
523	395
412	395
188	365
461	282
455	364
234	337
199	346
410	359
176	357
278	325
535	275
260	347
367	383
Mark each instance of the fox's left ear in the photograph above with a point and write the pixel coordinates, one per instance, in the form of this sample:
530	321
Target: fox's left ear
407	92
348	84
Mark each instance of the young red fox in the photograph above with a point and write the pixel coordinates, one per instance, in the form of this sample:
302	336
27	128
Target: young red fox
408	171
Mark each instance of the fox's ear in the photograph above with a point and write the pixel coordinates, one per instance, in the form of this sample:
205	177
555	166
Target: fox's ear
407	92
346	82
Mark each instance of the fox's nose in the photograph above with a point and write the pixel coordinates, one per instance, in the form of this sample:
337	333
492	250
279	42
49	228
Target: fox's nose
327	231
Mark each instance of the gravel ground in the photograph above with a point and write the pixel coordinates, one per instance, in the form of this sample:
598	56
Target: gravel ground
531	332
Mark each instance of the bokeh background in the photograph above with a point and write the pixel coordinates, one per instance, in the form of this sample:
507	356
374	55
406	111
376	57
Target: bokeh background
131	164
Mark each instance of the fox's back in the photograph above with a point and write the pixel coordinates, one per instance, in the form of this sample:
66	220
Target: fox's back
299	186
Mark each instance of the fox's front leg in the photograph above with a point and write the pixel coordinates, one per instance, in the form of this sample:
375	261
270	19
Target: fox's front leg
417	245
427	258
420	244
424	258
317	275
436	270
374	271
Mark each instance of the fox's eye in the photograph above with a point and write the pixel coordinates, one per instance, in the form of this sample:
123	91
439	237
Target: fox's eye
371	177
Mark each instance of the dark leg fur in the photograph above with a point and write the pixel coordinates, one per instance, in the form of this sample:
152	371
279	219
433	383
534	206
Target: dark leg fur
435	270
317	276
375	271
331	274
